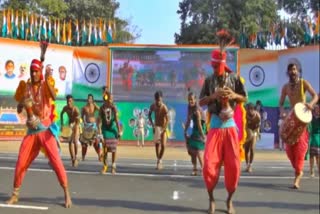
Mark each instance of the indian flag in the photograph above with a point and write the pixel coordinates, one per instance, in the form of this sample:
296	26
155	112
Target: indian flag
22	27
83	33
4	24
109	34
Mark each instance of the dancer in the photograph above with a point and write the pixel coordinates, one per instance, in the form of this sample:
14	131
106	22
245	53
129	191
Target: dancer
36	98
74	124
295	90
221	92
109	128
195	142
253	129
89	134
126	72
159	126
314	140
140	131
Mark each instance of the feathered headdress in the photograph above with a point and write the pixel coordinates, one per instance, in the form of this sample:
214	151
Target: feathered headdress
43	48
38	64
219	56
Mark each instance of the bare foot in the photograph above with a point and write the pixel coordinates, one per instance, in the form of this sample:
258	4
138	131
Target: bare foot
104	169
297	179
113	171
311	173
75	163
13	199
67	200
194	172
212	207
230	208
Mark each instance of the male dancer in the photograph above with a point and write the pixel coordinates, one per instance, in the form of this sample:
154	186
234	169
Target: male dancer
36	97
159	126
295	90
90	127
221	92
74	123
253	129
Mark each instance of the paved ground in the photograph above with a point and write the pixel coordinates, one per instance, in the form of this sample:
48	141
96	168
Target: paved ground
139	188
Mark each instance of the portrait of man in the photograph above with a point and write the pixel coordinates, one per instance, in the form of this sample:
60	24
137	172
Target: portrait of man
23	71
9	67
62	73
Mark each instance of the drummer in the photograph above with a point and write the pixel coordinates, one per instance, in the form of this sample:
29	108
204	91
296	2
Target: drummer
295	90
253	129
89	125
74	123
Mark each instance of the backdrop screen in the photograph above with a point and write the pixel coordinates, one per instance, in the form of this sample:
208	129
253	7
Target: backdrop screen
138	73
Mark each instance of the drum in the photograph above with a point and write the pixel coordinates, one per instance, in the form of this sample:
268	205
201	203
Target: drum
88	134
66	132
295	123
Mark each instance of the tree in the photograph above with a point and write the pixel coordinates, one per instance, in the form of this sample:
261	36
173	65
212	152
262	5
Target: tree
299	8
302	20
201	19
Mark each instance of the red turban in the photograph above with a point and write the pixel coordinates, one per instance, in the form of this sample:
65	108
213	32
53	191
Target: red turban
219	59
37	66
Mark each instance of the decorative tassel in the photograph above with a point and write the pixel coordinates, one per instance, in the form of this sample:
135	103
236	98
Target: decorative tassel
225	39
43	48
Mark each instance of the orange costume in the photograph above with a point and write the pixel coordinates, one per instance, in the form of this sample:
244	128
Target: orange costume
44	134
223	141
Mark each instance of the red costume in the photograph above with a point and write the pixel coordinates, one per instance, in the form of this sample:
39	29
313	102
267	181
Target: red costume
43	136
296	152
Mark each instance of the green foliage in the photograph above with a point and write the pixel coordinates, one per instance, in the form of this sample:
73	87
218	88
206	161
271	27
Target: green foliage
201	19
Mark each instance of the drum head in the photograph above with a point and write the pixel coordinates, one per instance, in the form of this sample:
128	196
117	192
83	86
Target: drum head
66	132
302	113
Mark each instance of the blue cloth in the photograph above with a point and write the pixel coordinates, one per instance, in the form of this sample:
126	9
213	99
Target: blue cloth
216	122
54	129
93	125
9	77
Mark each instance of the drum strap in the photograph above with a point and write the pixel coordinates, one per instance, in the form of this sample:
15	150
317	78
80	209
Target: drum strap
302	91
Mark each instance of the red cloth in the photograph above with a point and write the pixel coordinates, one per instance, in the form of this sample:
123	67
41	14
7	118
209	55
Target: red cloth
29	150
36	65
222	147
296	152
219	59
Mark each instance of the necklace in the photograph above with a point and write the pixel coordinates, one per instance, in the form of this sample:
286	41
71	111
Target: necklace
293	85
34	93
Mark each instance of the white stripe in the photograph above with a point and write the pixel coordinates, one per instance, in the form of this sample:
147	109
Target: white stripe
23	207
35	65
154	175
217	60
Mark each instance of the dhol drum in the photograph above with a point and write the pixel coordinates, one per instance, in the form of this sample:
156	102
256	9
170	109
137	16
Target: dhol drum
295	123
66	132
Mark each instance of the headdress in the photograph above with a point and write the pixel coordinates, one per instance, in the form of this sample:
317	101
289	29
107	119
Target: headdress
38	64
219	56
